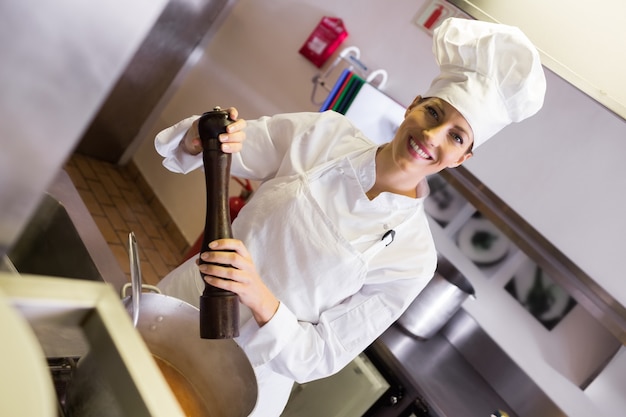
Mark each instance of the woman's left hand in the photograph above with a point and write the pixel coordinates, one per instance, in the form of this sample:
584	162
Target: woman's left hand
232	140
231	268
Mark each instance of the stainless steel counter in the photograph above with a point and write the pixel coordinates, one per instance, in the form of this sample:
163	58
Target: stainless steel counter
445	380
462	372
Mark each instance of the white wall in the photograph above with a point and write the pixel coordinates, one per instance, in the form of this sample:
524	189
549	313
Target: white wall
563	172
253	63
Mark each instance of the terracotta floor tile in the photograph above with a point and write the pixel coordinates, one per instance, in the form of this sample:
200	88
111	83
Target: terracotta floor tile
149	223
155	259
121	254
160	212
106	229
123	237
119	202
126	211
114	216
148	275
110	186
120	180
100	167
76	176
99	192
143	239
71	161
131	172
170	257
135	200
90	201
85	168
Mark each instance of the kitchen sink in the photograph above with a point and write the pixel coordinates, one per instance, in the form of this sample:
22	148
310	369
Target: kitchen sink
62	240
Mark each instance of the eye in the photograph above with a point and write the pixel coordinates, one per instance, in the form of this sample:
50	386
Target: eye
459	139
432	112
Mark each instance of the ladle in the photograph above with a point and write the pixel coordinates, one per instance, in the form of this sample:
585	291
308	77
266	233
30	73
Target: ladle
136	285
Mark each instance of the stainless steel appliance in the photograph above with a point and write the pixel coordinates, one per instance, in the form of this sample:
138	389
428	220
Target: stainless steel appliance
374	384
438	302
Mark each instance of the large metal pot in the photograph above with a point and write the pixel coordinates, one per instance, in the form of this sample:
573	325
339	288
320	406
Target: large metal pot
438	302
210	378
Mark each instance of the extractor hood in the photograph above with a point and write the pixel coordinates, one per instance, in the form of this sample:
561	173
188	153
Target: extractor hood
59	60
580	41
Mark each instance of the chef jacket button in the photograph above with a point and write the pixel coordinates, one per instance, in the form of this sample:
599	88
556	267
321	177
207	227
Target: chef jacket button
386	226
340	170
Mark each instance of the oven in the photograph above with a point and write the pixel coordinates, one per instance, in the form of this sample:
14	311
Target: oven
374	384
402	398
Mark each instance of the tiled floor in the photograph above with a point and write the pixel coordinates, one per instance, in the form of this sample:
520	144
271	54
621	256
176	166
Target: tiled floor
120	201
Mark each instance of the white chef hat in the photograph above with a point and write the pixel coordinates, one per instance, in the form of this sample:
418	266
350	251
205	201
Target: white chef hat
491	73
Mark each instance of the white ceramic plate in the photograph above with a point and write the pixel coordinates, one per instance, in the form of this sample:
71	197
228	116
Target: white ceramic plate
482	242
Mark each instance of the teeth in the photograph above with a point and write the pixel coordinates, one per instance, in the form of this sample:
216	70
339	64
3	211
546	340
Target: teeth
422	154
418	150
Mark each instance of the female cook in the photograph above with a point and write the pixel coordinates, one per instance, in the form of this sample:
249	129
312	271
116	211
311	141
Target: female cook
335	244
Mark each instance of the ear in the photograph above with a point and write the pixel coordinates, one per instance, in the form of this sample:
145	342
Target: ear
415	102
462	159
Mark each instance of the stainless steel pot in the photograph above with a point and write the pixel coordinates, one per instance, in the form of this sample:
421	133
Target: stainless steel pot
438	301
211	378
214	375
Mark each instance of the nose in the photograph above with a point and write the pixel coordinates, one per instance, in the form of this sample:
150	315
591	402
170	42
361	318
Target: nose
435	135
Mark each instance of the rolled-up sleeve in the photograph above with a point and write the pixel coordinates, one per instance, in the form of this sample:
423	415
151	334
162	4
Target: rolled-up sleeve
167	144
267	151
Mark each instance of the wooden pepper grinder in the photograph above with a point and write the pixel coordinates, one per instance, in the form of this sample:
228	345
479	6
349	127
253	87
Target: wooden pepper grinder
219	309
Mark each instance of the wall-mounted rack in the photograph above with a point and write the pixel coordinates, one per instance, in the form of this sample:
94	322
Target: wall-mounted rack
347	62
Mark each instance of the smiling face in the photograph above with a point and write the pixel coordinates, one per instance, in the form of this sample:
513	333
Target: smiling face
433	136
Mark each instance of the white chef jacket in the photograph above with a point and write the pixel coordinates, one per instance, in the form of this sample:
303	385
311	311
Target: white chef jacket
317	242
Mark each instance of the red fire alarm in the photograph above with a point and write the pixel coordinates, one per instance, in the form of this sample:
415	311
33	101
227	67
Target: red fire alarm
324	40
433	13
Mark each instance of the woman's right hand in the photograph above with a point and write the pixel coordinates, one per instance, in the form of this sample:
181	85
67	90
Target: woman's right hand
232	140
231	267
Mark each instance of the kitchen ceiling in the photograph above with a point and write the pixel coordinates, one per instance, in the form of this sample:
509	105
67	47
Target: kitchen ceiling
580	41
